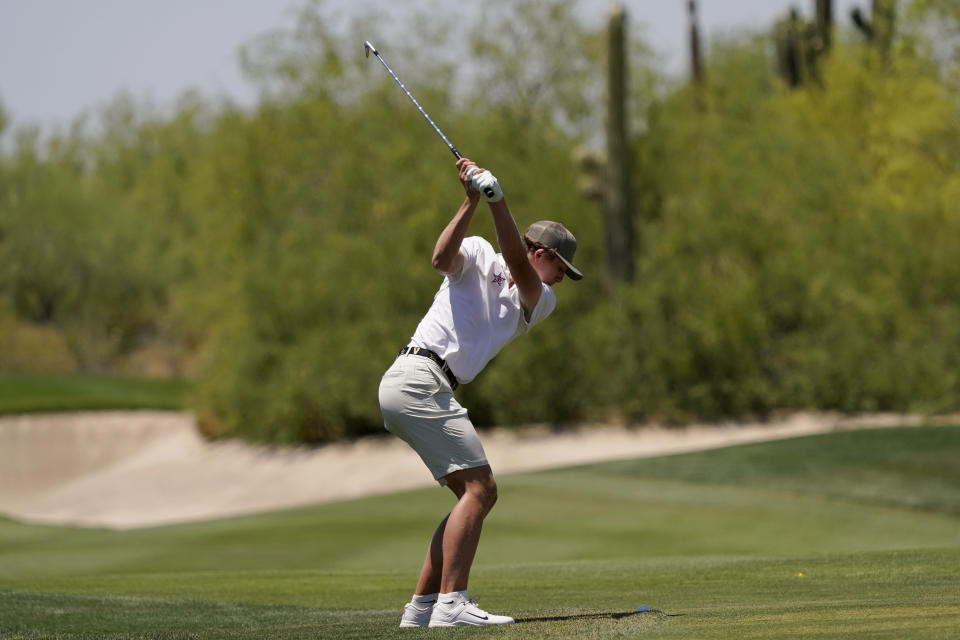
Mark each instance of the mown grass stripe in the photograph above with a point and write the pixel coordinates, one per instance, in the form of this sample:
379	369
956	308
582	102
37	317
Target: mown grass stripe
571	553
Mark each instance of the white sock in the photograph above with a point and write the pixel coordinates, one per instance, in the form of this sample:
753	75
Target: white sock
455	596
427	598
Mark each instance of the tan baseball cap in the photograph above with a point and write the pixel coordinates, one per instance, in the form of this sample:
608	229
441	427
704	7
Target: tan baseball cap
556	236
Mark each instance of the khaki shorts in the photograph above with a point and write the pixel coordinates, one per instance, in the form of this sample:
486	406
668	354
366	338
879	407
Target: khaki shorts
418	406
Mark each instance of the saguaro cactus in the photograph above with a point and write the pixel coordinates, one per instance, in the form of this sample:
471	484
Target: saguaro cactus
618	195
696	58
825	22
884	17
801	43
879	29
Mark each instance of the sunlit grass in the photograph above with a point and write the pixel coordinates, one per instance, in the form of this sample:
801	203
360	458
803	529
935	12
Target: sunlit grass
733	543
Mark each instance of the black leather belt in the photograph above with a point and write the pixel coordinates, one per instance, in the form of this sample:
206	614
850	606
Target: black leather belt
426	353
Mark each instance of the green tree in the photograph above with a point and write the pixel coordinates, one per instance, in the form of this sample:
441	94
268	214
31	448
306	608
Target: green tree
72	257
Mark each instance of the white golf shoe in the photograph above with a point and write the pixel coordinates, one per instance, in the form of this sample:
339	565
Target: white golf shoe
416	615
463	613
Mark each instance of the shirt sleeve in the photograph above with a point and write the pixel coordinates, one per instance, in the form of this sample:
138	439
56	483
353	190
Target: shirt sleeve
544	307
471	249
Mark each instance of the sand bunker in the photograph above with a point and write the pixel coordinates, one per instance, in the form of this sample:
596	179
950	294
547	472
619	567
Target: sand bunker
129	469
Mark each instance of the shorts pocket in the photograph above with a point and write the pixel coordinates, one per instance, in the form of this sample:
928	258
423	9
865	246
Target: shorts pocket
422	381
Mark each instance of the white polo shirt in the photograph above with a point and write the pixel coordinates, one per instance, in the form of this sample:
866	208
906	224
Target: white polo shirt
476	312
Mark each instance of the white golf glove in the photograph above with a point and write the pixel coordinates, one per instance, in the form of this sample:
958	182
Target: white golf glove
486	183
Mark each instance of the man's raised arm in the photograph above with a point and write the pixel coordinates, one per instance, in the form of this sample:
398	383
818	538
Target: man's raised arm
512	246
446	253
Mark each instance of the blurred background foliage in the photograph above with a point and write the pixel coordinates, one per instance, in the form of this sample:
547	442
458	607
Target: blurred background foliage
796	247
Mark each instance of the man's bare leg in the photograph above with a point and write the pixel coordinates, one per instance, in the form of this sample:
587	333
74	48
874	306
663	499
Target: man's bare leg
433	564
457	538
477	493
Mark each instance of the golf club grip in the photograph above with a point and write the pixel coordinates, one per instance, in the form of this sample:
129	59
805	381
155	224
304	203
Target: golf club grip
488	191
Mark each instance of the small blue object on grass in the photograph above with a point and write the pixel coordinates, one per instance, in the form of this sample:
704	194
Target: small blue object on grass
642	608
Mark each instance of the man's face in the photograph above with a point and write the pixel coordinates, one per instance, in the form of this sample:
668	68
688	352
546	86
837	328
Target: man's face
549	266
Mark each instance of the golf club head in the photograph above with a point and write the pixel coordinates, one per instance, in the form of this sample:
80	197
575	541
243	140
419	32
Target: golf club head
367	48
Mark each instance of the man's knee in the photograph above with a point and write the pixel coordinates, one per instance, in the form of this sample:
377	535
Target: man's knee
489	493
484	488
478	482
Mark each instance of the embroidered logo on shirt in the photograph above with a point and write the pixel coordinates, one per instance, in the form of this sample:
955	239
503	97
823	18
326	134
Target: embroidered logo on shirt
498	279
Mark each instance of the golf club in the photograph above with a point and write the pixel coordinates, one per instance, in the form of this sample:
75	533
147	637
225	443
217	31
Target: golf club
367	49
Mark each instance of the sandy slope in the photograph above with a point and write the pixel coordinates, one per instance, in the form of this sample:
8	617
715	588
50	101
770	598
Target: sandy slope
146	468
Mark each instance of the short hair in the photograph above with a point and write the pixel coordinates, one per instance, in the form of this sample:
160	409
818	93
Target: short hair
533	245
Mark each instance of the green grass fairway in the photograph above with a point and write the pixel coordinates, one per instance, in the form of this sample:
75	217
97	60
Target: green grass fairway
22	393
846	535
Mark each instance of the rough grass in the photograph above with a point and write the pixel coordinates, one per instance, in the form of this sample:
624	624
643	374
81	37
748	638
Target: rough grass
847	535
24	393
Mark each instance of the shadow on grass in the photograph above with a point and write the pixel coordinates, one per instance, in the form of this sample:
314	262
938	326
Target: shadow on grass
612	615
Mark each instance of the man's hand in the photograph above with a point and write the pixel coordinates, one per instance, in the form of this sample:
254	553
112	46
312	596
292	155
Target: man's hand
467	168
486	183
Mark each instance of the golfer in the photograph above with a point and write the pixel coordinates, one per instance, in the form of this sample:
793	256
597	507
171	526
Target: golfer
486	299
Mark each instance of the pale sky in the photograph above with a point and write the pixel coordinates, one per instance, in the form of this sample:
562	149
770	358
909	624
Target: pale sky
59	58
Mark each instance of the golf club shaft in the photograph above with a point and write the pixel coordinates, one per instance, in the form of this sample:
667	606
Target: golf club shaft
414	100
368	48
